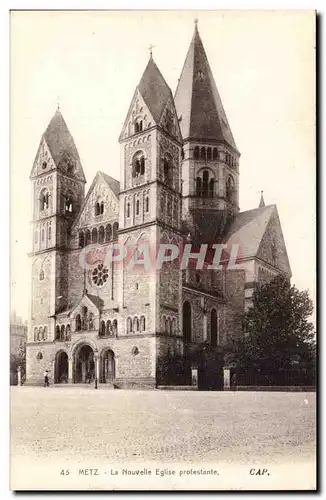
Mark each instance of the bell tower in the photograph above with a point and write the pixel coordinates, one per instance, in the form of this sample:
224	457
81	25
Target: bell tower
150	203
58	185
210	166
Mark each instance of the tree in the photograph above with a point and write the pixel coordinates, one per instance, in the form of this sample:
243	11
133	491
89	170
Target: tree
278	329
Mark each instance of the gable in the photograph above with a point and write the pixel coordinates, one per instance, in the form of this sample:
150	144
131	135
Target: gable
84	302
138	110
100	191
43	162
272	247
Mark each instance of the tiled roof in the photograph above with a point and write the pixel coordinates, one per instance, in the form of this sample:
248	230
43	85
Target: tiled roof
247	230
154	90
197	100
60	140
113	183
96	300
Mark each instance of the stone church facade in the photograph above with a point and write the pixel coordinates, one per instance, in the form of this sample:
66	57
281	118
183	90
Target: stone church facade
179	183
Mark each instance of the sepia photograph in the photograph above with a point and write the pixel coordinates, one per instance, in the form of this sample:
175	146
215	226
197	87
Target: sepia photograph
163	250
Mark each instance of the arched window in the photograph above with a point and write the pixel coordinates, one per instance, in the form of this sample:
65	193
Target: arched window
138	126
229	189
211	188
69	203
166	325
142	324
102	329
102	208
213	328
115	230
81	239
35	333
129	325
101	235
108	328
97	209
41	275
142	165
49	232
136	324
138	164
94	235
174	325
62	332
108	233
44	200
137	207
128	209
42	234
186	316
40	333
196	153
209	153
203	153
78	323
169	326
87	237
84	318
168	170
36	236
215	154
91	322
115	327
68	333
147	204
57	333
205	183
198	187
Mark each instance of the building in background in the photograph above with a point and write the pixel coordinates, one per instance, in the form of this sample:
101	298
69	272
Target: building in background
179	182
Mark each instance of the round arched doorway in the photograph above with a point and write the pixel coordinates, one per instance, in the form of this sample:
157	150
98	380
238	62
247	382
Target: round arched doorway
61	367
84	364
107	366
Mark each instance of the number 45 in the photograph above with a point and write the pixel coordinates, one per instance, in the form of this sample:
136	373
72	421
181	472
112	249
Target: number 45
65	472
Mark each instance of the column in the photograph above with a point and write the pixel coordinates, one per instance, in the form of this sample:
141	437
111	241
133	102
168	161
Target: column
97	366
70	380
19	375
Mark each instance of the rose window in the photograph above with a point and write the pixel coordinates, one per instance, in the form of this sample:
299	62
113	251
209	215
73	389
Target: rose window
100	275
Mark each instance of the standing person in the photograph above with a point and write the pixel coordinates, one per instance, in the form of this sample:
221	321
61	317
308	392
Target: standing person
234	381
46	378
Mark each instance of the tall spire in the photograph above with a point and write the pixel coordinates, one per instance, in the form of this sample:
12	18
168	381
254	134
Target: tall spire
197	100
262	202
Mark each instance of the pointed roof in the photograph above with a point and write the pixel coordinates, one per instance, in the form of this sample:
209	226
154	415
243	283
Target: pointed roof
154	90
248	228
61	143
262	201
197	100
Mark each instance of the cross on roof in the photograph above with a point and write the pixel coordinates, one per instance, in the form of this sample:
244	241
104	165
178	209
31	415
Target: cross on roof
150	50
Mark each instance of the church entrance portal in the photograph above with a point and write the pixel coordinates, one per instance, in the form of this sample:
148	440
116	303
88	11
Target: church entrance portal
84	365
61	368
107	366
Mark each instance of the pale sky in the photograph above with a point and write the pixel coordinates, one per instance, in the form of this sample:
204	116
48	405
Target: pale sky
264	67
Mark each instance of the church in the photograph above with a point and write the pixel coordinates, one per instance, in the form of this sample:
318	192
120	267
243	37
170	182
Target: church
179	183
